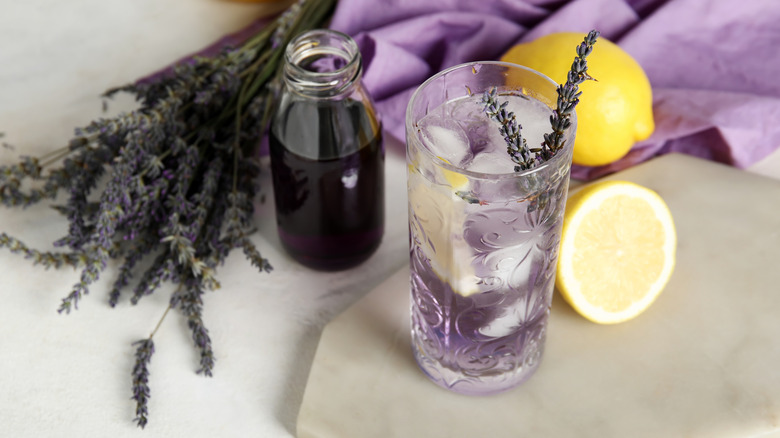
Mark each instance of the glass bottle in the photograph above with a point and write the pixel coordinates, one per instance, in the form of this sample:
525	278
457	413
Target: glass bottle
327	155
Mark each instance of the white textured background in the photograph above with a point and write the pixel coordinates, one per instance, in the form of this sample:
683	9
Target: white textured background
70	375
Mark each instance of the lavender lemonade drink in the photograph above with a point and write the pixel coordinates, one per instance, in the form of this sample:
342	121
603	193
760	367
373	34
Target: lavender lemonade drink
483	237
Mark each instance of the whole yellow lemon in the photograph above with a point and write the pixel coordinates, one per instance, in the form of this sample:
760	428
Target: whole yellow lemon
615	110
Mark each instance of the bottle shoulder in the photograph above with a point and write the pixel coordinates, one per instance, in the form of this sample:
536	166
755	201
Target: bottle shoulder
324	129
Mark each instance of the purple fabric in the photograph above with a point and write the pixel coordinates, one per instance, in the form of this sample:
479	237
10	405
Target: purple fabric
713	64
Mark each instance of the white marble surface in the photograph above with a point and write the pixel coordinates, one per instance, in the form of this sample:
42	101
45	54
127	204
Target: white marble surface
70	375
700	362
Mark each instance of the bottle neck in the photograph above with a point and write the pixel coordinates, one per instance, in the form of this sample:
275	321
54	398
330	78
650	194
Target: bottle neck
322	64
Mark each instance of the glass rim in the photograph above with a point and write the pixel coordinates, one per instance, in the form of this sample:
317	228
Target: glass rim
553	162
330	80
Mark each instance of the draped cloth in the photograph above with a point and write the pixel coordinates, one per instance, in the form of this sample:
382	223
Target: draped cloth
713	65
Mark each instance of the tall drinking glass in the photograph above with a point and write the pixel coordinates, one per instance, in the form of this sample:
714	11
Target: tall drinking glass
483	237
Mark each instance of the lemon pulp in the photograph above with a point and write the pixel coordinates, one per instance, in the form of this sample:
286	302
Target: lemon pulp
617	250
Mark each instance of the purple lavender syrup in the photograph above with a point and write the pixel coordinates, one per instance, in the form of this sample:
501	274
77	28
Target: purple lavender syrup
328	186
493	340
483	239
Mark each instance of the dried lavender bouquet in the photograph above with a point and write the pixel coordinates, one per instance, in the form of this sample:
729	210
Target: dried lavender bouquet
177	180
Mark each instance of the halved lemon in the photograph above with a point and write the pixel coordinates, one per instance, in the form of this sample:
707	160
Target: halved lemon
617	253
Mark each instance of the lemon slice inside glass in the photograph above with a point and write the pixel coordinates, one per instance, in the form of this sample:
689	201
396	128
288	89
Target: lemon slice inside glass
617	252
455	179
439	215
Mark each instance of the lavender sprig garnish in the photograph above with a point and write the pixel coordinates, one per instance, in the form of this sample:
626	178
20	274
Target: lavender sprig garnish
169	186
516	146
568	97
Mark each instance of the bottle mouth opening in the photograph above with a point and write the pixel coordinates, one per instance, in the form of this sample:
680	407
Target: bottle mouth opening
322	61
